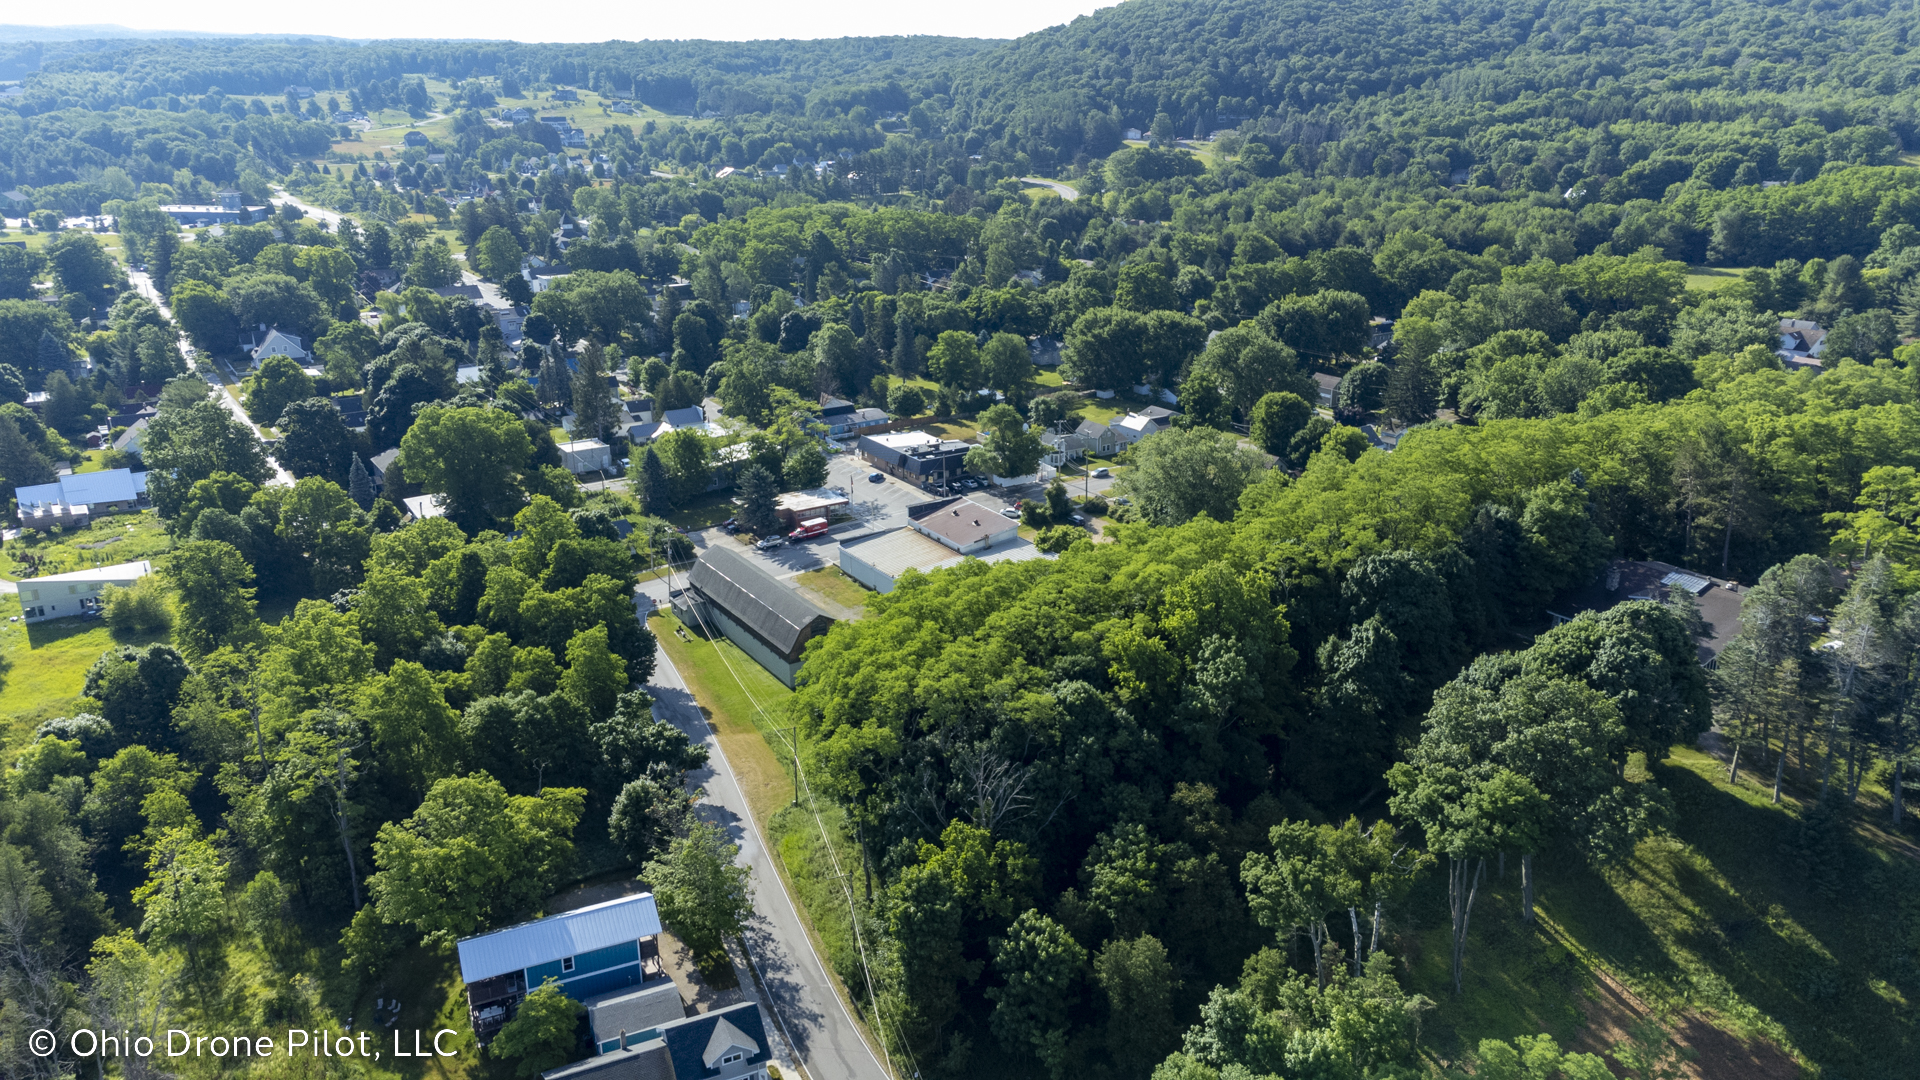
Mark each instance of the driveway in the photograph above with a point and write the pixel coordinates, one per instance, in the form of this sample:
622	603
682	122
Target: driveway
805	1006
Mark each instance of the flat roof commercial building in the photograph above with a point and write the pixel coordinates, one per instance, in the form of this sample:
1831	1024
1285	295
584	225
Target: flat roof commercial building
878	562
915	456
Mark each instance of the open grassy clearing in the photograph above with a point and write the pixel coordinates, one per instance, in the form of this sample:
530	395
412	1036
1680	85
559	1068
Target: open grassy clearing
1711	278
1760	965
43	668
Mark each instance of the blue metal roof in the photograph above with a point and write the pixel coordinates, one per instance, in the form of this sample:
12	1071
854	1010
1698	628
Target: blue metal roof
85	489
566	934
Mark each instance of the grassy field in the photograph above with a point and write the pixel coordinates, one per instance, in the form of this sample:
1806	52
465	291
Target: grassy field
43	668
1710	278
1717	927
122	538
836	586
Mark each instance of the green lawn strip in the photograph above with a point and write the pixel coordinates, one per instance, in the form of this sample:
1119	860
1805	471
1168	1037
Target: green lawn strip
705	511
760	763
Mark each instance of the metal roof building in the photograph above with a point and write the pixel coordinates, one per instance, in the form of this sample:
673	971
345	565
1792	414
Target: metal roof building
772	623
588	951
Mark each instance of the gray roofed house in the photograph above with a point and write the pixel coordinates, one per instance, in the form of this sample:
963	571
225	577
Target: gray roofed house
634	1014
725	1044
728	592
1096	437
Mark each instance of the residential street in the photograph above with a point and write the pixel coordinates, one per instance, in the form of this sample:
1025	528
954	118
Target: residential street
143	284
824	1037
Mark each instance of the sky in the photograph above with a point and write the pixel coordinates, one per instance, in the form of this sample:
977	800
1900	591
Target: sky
584	20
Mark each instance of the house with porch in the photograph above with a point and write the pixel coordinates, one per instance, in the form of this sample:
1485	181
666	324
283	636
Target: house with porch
588	951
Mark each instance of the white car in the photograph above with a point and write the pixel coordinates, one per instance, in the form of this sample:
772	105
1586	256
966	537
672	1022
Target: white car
1008	511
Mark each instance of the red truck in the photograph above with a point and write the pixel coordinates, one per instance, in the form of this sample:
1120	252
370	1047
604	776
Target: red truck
809	529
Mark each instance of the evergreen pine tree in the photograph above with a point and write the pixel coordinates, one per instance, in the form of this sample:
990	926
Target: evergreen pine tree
555	380
1412	392
758	489
53	354
656	488
594	410
20	463
160	260
360	483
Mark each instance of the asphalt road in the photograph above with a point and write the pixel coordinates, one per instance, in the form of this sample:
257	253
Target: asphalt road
143	284
1059	188
807	1009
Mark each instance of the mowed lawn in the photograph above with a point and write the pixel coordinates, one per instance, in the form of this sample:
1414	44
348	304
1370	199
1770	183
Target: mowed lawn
43	667
743	704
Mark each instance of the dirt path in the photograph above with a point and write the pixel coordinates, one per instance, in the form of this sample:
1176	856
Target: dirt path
1611	1010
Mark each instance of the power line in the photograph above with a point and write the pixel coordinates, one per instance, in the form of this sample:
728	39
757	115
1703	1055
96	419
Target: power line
853	913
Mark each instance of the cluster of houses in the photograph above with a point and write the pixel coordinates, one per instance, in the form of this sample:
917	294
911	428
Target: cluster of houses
570	135
1092	438
607	957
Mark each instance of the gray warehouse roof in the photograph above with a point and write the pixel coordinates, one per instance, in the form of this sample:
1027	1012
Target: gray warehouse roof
756	600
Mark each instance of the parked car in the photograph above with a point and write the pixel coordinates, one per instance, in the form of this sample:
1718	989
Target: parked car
874	478
1102	473
1078	519
732	525
1008	511
771	542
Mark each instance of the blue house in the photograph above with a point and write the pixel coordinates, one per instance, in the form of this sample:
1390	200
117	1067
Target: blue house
589	951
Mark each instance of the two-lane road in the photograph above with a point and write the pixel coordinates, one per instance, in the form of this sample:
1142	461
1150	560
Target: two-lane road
799	989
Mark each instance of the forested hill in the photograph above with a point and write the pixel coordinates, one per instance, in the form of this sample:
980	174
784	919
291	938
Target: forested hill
725	76
1439	70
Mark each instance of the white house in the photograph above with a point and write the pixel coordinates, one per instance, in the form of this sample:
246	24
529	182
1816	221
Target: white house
60	596
74	498
273	341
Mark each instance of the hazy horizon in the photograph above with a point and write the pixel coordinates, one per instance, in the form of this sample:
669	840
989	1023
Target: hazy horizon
750	20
